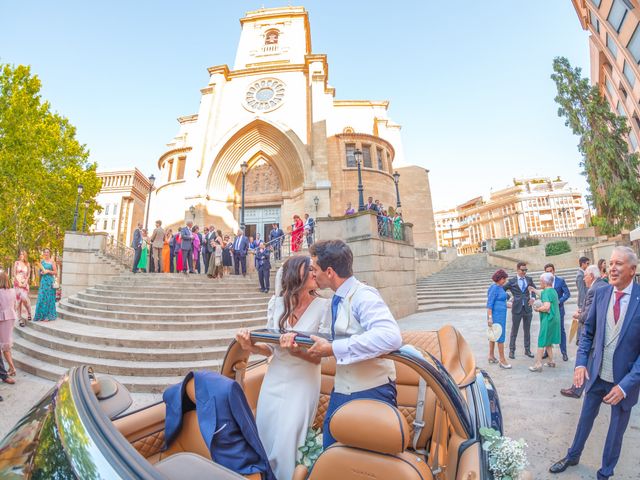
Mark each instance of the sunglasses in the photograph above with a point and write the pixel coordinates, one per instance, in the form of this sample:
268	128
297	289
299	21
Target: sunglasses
524	269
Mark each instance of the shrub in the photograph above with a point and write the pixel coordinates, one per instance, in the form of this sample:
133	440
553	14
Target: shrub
503	244
557	248
528	242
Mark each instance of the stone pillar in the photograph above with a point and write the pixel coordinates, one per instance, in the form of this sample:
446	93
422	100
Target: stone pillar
386	264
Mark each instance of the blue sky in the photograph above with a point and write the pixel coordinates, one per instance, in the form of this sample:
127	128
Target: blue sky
468	81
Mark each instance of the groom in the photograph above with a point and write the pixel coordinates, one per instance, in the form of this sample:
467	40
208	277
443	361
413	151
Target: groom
366	328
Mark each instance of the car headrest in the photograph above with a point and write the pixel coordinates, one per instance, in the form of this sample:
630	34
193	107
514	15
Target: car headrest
371	425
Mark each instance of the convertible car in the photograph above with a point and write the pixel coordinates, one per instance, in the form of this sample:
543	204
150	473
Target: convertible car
79	431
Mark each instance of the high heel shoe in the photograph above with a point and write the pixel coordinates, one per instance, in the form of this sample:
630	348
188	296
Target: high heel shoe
12	372
550	364
493	360
535	369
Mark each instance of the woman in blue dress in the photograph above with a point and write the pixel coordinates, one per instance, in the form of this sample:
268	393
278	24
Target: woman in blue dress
46	304
497	314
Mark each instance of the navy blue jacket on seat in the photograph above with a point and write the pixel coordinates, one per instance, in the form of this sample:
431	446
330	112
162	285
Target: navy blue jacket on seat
225	419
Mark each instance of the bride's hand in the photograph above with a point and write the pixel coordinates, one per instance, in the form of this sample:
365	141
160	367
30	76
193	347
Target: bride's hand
288	341
243	337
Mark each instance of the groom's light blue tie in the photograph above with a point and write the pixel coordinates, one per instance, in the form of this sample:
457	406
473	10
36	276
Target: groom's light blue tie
334	313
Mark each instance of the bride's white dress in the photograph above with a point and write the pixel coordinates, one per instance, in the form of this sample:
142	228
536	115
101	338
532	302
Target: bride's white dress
289	393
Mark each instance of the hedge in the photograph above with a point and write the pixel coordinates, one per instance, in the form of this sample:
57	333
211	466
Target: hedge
557	248
503	244
528	242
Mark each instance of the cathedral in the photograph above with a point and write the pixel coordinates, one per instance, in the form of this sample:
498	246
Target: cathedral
274	124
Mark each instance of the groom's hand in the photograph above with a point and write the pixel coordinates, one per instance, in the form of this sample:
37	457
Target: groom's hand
320	348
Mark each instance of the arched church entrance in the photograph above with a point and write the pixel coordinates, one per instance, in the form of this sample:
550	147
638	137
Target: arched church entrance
263	198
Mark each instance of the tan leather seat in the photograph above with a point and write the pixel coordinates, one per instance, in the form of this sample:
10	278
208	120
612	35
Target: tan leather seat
372	441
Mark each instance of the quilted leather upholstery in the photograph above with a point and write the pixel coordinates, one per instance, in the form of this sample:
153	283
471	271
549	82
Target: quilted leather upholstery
150	445
427	341
323	404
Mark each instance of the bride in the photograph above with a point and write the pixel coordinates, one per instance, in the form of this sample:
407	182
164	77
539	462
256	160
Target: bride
289	394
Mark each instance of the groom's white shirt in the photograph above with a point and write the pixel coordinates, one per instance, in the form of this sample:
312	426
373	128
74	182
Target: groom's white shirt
372	331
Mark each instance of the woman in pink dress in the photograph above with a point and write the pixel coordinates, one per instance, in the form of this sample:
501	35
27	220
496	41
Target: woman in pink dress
21	277
179	264
296	233
7	318
196	248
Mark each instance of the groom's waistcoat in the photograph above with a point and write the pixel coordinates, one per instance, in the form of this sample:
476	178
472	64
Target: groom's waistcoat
363	375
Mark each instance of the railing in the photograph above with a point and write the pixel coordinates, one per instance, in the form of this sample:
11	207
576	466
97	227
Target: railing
387	228
428	253
119	252
288	247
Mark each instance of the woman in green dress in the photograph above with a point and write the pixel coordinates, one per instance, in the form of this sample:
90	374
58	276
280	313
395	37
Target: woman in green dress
549	309
46	303
143	264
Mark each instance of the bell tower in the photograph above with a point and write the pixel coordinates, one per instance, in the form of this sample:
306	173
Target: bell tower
272	36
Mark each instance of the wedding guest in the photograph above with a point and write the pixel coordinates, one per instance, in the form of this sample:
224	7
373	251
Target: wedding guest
549	312
240	249
275	237
297	230
157	244
143	264
227	261
309	229
197	242
263	263
46	303
4	375
136	244
166	252
21	277
179	256
220	244
172	252
398	233
602	267
497	314
563	295
207	247
518	287
350	210
7	319
186	246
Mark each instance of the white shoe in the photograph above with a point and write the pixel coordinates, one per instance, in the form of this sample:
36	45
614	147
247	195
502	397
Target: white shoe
506	366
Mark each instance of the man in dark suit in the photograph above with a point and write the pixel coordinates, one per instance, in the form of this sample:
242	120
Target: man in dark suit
186	236
240	248
136	244
521	311
370	205
263	265
172	252
563	295
275	237
611	338
593	281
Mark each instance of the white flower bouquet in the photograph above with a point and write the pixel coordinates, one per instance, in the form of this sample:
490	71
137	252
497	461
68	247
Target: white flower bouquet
311	449
507	457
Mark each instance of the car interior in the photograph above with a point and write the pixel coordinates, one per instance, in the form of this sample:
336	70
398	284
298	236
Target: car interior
423	438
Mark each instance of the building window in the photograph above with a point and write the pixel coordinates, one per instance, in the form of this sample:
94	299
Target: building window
351	158
170	170
181	165
271	37
628	73
620	109
634	46
379	155
115	208
106	209
366	156
611	45
104	225
348	130
594	21
113	224
617	14
389	162
610	88
633	140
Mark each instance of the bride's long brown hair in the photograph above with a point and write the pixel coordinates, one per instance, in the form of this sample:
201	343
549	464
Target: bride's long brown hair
292	285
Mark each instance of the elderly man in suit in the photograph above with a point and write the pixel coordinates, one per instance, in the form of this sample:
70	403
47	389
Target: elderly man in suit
240	249
263	265
136	244
157	243
594	281
521	311
186	236
611	340
563	295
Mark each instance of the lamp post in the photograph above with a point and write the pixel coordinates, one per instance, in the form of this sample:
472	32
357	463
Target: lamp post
152	179
396	179
244	167
75	215
316	202
84	221
358	155
451	232
192	211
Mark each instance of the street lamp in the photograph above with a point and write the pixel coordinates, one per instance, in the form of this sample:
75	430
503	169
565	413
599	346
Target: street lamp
358	156
451	232
75	215
192	211
152	179
244	167
396	179
86	207
316	202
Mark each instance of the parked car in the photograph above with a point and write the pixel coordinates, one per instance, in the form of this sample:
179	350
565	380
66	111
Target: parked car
78	430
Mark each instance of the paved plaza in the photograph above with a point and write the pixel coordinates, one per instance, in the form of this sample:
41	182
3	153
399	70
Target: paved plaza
532	406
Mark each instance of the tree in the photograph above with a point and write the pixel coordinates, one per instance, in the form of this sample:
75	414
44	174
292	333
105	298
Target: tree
610	168
41	165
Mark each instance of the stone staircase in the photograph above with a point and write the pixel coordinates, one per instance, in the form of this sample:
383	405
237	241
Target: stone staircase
147	330
464	283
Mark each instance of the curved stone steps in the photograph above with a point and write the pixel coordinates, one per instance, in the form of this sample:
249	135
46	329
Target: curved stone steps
168	310
125	296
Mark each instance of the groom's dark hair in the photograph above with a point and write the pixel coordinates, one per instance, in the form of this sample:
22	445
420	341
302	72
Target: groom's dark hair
335	254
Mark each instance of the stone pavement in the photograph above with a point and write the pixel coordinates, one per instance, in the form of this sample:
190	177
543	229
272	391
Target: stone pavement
532	406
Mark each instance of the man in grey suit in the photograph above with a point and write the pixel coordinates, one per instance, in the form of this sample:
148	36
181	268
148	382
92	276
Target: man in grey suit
157	243
521	311
187	247
136	244
593	282
583	262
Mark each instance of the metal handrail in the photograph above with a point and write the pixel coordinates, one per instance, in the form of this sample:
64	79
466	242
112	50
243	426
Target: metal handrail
119	252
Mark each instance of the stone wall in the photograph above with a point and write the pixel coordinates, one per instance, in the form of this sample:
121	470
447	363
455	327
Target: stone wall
82	265
388	265
536	258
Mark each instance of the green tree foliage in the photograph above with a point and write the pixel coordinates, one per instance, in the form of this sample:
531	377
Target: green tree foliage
557	248
528	242
41	165
502	244
611	171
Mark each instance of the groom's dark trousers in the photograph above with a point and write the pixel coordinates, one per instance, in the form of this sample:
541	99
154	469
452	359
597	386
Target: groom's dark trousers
386	393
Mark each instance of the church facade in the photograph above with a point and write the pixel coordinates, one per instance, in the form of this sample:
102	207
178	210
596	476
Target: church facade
276	114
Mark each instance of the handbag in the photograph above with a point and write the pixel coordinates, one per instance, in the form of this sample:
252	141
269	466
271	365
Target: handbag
56	285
